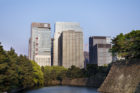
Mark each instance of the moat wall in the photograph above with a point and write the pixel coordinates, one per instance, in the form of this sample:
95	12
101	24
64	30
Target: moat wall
88	82
124	77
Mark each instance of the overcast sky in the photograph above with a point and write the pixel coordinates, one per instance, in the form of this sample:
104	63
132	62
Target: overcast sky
96	17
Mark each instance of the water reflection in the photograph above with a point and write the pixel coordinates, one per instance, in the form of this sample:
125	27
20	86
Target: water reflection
63	89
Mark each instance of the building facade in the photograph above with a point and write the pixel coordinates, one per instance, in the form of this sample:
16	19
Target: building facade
86	58
59	28
40	44
52	51
99	50
71	49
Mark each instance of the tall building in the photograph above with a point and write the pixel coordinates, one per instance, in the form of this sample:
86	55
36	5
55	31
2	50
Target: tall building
40	44
99	50
71	49
59	28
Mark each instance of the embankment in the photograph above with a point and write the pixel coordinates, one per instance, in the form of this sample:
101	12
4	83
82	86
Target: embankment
87	82
124	77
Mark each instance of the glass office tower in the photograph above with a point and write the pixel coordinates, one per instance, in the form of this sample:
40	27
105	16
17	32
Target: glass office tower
40	44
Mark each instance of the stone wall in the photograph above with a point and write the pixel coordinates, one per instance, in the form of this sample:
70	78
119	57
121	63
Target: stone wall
53	83
124	77
75	82
88	82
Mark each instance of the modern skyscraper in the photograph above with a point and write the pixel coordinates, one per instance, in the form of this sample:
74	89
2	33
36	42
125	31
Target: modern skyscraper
99	50
70	49
59	28
40	44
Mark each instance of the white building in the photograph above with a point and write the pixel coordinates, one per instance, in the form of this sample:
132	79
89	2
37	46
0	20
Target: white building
59	28
40	44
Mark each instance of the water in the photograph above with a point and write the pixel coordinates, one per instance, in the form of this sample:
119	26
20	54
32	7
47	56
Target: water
63	89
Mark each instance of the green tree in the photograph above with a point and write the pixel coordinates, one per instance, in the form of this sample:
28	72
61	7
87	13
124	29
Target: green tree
53	73
18	71
29	72
75	72
62	75
12	74
4	61
25	72
127	45
92	69
38	78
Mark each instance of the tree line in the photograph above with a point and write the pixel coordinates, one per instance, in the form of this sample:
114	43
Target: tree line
59	73
20	72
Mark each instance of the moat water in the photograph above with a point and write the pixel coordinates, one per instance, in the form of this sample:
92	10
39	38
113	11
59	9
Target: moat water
63	89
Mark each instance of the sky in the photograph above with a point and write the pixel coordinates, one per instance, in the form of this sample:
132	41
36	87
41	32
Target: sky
96	17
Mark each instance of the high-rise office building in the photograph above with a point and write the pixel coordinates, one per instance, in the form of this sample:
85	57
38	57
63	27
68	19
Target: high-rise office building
70	49
99	50
59	28
40	44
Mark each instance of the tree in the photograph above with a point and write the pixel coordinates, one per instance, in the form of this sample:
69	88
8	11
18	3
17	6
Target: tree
92	69
127	45
18	71
74	72
12	74
25	72
4	61
53	73
29	72
38	78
